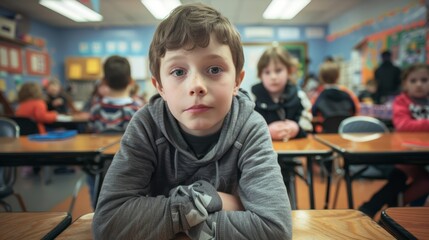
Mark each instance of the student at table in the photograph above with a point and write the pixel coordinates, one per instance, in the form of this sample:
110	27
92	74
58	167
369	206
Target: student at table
197	159
334	100
285	107
410	114
57	99
115	108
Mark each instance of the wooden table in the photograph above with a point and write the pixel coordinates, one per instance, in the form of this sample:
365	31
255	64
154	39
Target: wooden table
32	225
79	229
307	224
335	224
303	147
376	148
407	222
82	149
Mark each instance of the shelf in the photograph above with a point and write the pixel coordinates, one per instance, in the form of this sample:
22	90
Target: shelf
13	41
18	42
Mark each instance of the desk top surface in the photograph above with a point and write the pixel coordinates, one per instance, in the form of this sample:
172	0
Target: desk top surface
335	224
78	143
412	219
397	142
307	224
29	225
307	145
79	229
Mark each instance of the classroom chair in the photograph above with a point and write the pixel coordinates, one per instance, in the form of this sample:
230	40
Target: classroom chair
9	128
363	124
27	126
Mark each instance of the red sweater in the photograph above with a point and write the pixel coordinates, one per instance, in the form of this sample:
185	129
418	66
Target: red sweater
409	116
37	110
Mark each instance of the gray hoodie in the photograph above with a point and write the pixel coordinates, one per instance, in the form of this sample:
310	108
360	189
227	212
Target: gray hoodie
150	182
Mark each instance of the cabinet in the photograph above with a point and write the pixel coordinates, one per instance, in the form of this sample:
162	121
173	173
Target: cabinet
83	68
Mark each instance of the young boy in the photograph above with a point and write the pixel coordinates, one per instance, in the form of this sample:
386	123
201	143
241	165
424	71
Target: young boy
114	111
197	159
334	100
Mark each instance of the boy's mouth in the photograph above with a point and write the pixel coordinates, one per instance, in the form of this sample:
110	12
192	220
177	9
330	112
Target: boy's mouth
198	108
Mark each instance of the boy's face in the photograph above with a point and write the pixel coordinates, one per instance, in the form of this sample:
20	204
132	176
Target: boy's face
198	86
274	77
417	84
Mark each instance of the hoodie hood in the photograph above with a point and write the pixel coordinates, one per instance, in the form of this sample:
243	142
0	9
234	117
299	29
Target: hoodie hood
241	108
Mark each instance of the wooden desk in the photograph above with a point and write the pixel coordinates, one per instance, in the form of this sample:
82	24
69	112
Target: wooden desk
303	147
83	149
407	222
378	148
307	224
32	225
79	229
335	224
110	151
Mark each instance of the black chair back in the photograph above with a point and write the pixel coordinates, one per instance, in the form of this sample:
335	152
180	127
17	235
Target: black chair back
8	128
331	124
362	124
26	125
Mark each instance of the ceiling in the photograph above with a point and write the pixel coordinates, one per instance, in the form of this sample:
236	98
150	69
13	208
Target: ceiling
133	12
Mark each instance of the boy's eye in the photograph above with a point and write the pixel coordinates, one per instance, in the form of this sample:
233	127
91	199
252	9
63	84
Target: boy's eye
215	70
178	72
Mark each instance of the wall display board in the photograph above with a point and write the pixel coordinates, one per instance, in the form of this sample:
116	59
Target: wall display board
10	58
83	68
37	63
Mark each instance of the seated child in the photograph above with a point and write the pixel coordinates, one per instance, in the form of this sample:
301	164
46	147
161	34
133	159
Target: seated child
57	99
410	114
286	109
116	108
334	100
368	95
197	159
32	105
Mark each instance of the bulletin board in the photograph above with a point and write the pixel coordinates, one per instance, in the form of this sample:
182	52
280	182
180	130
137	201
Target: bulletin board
253	51
83	68
10	58
38	63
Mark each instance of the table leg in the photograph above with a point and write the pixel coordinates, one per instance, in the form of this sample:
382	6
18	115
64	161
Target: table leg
348	184
310	180
98	179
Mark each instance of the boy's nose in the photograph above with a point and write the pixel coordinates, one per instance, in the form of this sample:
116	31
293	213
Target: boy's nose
197	86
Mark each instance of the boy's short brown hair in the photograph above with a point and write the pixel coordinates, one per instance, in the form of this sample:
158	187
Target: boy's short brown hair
277	54
190	26
30	90
117	72
329	72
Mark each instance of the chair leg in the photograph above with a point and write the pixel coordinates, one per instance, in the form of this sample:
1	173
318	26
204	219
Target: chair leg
337	191
6	206
20	201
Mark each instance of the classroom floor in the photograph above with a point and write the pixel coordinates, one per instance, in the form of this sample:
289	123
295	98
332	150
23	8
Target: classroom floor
56	196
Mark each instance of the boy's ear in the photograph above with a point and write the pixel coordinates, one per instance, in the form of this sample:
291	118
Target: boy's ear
238	82
157	86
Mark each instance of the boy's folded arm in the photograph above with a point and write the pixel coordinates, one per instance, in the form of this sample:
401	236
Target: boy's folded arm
261	190
125	210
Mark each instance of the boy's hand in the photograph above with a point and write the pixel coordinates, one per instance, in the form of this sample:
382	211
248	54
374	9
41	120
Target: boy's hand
191	205
230	202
